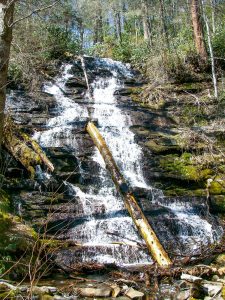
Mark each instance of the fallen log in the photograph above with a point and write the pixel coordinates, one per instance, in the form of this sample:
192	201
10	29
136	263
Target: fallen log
160	272
37	149
152	242
24	148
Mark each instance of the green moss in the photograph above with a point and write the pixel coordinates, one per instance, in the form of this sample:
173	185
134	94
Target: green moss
47	297
51	243
4	201
8	295
189	86
179	191
220	260
217	186
156	148
223	293
183	167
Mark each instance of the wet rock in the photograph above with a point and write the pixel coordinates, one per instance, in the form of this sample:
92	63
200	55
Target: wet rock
75	82
14	185
134	294
123	91
37	121
71	177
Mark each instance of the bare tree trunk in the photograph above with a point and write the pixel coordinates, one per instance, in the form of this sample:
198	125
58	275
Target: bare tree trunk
98	30
98	27
6	19
198	30
81	32
163	24
146	23
210	51
213	16
118	25
136	31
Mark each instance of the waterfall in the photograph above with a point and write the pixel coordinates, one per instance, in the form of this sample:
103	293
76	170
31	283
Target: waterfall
108	234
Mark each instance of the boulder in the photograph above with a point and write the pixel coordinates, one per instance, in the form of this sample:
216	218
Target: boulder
75	82
191	278
134	294
213	288
95	292
183	295
115	290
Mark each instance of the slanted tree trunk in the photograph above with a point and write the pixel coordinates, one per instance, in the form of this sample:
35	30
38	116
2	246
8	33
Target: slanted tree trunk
146	23
6	19
198	30
152	242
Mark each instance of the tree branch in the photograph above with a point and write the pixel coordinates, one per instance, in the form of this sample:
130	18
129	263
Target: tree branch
34	12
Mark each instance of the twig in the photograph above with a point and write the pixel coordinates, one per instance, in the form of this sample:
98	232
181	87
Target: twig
33	12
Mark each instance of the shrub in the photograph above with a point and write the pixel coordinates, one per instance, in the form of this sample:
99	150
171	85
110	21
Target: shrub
60	41
219	46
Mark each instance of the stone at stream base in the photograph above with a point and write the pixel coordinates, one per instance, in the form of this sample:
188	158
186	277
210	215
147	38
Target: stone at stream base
183	295
214	298
133	294
44	290
115	290
213	289
191	278
94	292
65	298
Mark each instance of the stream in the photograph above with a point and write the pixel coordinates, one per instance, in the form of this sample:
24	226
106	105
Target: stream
106	231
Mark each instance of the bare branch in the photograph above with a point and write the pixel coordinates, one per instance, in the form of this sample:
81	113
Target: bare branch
33	12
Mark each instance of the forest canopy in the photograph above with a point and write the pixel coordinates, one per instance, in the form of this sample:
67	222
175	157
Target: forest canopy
156	35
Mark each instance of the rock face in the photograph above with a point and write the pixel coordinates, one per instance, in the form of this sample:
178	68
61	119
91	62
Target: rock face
49	202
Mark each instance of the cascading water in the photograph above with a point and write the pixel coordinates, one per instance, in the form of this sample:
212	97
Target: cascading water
107	224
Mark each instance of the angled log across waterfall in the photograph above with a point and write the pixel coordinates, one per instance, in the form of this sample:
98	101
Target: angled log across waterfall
152	242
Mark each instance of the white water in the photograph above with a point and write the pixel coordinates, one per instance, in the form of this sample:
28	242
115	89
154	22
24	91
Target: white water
114	126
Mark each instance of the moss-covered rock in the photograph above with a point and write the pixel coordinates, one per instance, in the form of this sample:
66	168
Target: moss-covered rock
17	239
160	143
220	260
223	292
217	186
181	191
218	203
183	167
